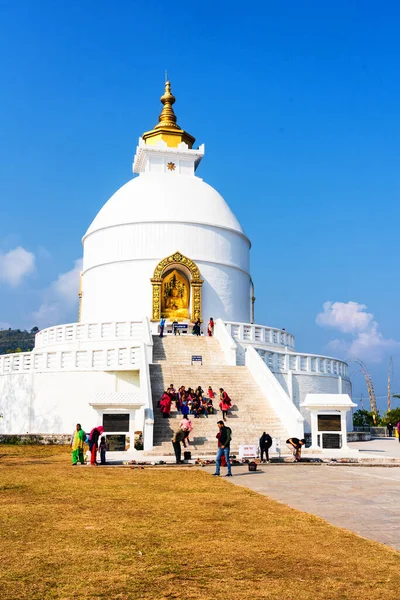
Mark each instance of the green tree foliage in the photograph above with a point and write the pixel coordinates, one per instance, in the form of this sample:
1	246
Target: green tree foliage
363	418
393	416
15	340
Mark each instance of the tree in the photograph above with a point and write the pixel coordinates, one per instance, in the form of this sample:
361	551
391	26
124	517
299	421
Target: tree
363	418
392	416
34	330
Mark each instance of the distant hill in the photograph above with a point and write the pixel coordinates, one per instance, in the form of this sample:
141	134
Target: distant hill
15	340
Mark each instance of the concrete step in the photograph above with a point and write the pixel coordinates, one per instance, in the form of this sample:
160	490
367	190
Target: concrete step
250	415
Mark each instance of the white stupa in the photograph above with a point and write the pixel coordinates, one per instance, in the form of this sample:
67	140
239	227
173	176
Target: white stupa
167	210
165	245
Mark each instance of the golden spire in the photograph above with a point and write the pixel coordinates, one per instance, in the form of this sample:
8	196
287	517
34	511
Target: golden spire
167	128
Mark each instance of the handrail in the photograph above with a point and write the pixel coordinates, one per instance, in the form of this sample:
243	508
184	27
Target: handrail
147	400
279	400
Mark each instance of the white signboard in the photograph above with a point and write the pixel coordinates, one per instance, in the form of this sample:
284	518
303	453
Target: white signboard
249	451
276	446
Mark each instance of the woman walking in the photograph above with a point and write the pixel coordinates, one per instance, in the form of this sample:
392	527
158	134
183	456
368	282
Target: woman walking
225	403
210	327
186	425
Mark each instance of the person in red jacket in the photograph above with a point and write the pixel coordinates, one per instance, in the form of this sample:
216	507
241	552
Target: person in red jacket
165	405
94	443
225	403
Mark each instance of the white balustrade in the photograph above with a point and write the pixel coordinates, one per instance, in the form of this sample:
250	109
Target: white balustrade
303	363
104	359
259	334
72	332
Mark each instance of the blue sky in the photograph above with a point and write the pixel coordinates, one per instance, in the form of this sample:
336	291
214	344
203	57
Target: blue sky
297	103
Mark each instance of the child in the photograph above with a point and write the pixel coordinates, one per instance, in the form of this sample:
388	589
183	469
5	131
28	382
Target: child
102	450
204	407
210	392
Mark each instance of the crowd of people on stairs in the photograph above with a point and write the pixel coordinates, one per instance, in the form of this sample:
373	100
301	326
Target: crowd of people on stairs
195	402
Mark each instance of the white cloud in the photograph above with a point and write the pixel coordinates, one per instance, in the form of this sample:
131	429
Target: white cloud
345	316
60	299
365	341
15	265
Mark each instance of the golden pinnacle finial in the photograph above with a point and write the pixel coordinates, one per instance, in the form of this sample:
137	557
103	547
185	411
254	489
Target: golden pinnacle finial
167	115
167	128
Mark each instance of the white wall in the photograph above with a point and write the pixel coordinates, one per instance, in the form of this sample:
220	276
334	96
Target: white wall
155	241
54	402
120	261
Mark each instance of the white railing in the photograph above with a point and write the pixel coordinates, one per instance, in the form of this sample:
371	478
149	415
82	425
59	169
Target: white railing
147	340
259	334
104	359
147	400
226	341
279	400
20	361
303	363
73	332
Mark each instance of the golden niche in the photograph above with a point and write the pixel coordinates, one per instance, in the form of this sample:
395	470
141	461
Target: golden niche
175	294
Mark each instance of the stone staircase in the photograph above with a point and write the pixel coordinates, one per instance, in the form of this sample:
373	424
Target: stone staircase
250	414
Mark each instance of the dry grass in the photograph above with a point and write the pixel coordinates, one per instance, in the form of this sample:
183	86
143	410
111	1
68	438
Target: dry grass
104	533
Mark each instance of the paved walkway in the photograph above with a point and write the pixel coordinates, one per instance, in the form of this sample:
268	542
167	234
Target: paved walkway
362	499
379	447
382	448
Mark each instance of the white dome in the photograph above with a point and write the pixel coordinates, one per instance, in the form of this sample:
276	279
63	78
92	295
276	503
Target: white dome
164	197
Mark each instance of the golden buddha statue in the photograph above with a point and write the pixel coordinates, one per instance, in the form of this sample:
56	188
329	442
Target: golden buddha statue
175	296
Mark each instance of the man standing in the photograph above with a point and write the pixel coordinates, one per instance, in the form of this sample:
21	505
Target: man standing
295	445
265	445
162	325
77	441
390	429
177	439
224	448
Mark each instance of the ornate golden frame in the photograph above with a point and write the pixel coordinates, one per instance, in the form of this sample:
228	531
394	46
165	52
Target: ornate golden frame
175	260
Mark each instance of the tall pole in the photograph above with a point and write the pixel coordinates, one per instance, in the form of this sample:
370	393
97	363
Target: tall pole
389	391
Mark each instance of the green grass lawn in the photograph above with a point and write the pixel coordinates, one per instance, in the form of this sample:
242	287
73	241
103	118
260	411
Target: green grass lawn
101	533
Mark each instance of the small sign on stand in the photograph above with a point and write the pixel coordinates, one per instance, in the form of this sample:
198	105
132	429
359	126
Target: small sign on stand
197	358
248	451
276	445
